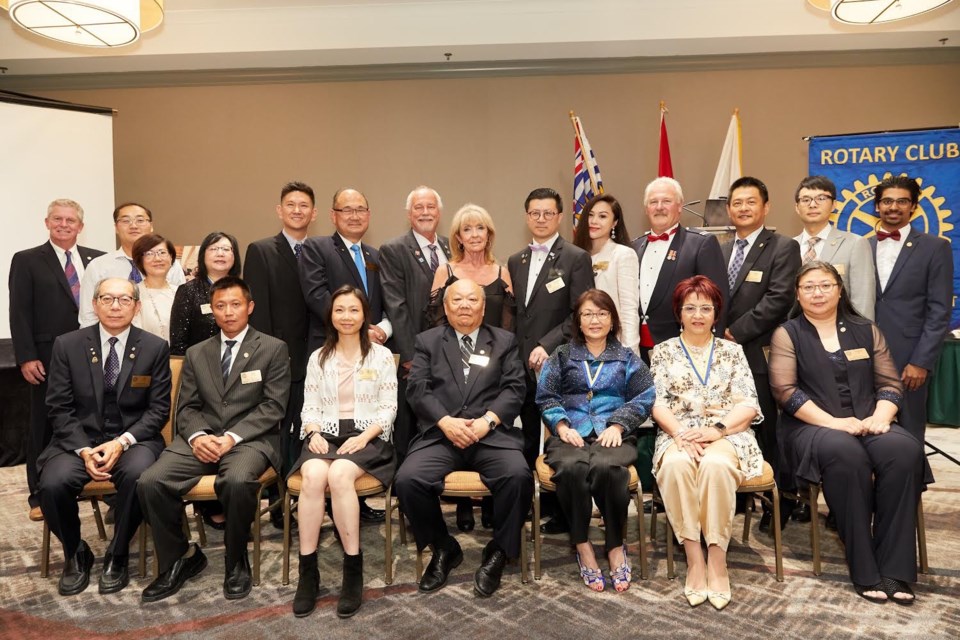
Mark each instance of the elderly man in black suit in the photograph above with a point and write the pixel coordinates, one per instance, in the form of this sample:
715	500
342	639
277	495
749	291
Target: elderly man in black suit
233	393
44	290
466	387
408	263
109	397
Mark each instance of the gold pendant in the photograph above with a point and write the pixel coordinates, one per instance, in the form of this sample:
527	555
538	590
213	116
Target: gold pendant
590	395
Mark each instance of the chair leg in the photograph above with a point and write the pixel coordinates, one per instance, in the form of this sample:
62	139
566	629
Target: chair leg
922	539
99	518
419	564
814	497
286	539
777	542
671	574
403	525
537	536
185	523
388	538
256	537
142	564
201	529
653	520
524	578
641	539
747	517
45	552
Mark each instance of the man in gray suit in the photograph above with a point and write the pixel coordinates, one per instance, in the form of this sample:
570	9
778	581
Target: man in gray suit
849	253
233	393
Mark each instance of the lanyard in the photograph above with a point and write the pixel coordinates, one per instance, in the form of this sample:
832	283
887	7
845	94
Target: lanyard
703	379
591	379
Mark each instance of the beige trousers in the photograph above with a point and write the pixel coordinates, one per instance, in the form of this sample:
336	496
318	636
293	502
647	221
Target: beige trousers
700	497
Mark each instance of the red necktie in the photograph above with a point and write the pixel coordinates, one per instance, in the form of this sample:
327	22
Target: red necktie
883	235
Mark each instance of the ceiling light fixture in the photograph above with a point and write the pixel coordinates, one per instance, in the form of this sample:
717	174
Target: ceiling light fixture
88	23
876	11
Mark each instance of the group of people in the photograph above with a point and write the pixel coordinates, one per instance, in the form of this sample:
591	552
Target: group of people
725	347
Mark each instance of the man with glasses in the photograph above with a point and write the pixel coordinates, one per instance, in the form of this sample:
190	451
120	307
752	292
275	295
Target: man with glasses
914	294
849	253
761	269
131	221
109	397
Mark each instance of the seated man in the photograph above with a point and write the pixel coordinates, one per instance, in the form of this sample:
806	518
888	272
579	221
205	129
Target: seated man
466	388
109	397
233	393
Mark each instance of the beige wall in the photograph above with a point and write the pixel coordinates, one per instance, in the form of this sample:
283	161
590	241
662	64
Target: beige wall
206	158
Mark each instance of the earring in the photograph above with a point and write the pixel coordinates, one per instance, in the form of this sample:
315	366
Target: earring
613	234
460	244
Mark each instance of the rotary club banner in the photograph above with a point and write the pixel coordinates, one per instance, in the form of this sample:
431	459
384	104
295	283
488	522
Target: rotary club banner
857	163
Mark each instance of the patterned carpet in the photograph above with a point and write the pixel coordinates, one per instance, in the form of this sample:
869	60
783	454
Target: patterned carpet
558	606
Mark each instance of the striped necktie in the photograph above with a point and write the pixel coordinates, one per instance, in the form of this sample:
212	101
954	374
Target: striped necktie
734	269
811	253
466	350
226	359
73	280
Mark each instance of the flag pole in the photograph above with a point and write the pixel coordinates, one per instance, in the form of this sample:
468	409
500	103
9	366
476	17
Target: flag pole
584	151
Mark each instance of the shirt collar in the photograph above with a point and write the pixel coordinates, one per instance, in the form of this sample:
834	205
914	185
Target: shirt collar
822	234
752	238
424	243
549	242
291	240
239	337
473	335
62	253
349	244
904	232
121	337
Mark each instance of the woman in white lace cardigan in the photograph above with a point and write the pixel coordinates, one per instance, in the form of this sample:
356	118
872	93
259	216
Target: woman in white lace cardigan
350	401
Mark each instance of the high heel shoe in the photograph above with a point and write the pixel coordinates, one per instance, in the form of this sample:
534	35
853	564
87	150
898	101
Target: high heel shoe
695	597
622	575
593	578
719	599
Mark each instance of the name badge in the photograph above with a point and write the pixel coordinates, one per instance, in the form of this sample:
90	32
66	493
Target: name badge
480	361
841	268
206	309
754	276
246	377
140	382
555	285
601	266
367	374
856	354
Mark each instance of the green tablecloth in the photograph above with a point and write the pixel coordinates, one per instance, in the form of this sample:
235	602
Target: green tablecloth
943	401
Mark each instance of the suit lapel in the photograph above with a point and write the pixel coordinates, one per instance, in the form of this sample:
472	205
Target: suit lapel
347	258
548	265
523	273
95	360
211	353
759	246
85	255
906	251
451	351
129	357
241	357
831	245
419	257
665	278
53	262
445	245
286	255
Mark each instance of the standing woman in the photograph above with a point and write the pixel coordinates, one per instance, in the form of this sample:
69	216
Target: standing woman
154	255
616	269
350	401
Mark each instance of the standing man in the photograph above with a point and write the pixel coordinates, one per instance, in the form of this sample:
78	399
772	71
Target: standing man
762	268
233	392
329	262
131	221
849	253
408	263
914	294
44	289
109	397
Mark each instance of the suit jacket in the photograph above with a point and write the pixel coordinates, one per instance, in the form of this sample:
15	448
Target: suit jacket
271	271
252	410
760	303
436	388
914	310
325	266
41	303
406	278
695	254
545	320
853	258
75	390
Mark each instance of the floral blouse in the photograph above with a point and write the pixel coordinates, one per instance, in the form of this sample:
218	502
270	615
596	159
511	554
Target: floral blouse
695	405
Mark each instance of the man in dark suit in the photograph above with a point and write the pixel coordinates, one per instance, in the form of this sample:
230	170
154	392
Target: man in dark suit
466	387
109	397
44	290
408	264
914	294
233	393
761	272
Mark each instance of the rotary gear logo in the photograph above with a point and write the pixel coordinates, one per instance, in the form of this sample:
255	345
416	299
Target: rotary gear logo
856	214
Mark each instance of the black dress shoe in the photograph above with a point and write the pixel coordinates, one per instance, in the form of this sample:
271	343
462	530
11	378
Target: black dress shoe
765	519
465	520
555	525
486	580
441	564
238	581
76	571
801	513
368	514
170	581
831	521
115	575
218	525
648	506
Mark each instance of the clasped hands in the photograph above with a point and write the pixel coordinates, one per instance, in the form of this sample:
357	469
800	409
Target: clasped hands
693	441
871	425
318	444
612	436
463	432
210	448
99	460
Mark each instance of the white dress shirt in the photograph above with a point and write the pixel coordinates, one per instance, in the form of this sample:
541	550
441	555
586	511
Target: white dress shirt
424	248
115	264
804	237
75	259
537	259
887	253
385	323
653	257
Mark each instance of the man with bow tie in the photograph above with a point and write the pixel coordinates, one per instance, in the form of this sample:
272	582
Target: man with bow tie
914	294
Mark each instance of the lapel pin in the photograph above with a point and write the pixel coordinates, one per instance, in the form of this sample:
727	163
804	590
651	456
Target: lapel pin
132	356
761	245
482	352
552	255
416	253
672	254
94	360
843	329
246	355
523	260
909	244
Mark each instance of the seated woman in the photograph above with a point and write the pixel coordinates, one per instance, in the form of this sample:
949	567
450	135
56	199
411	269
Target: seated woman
350	401
706	402
593	394
831	372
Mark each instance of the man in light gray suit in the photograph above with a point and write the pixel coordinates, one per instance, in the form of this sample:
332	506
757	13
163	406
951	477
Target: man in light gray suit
233	393
849	253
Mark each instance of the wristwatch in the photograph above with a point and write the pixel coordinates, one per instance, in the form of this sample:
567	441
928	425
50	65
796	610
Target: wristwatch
490	421
123	443
720	426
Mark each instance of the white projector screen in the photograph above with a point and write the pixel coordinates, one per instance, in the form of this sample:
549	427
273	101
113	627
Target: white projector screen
49	153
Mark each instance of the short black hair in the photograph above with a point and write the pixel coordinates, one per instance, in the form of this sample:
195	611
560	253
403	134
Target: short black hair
303	187
116	212
217	236
819	183
897	182
544	193
746	182
228	282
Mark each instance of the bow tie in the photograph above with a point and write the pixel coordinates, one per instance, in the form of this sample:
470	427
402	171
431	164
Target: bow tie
651	237
883	235
539	247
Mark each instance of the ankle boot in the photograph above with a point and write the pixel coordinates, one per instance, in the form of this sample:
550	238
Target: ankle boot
305	600
351	591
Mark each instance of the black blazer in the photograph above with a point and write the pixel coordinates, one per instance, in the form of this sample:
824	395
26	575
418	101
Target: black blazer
763	294
271	271
545	321
189	325
41	303
406	278
75	390
695	253
436	388
325	266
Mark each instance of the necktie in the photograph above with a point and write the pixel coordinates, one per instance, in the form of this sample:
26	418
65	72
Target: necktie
811	253
883	235
434	258
297	248
135	276
652	237
466	350
73	280
538	247
737	263
361	267
226	359
111	367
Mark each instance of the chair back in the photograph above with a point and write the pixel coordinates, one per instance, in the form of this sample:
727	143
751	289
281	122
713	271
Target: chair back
176	367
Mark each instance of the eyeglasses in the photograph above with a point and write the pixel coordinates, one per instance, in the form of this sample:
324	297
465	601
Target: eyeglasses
542	215
130	222
900	202
159	253
108	300
220	249
591	315
808	200
704	309
823	287
351	211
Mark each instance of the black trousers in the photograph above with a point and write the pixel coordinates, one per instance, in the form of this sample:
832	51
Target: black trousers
161	489
37	438
290	442
593	473
405	424
875	478
913	411
532	425
419	483
64	476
